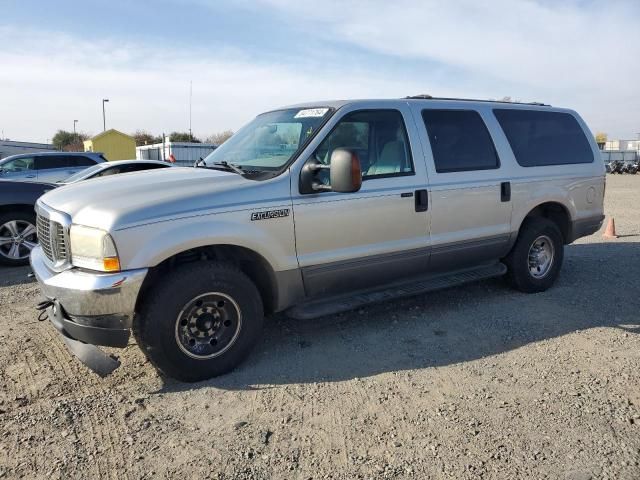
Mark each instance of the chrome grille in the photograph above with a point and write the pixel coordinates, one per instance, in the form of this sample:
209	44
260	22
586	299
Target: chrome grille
59	242
51	236
43	226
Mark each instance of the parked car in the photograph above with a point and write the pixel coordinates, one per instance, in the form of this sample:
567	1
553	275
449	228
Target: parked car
113	168
315	209
17	200
18	220
47	166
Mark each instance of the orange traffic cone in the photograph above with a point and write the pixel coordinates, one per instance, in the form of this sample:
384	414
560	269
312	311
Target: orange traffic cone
610	231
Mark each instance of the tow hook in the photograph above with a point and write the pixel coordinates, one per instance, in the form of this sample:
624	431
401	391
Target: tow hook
42	307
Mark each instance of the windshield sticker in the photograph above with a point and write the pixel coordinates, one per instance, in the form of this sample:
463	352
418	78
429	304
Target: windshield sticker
311	112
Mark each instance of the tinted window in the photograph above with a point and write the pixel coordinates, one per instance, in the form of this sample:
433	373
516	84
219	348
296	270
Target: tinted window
82	161
52	161
459	141
378	137
137	168
544	138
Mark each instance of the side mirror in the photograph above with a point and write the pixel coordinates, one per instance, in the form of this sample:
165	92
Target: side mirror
345	174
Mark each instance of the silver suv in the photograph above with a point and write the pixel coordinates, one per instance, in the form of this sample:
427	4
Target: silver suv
48	167
314	209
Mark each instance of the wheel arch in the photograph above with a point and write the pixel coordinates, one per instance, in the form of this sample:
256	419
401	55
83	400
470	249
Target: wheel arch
556	212
251	263
20	207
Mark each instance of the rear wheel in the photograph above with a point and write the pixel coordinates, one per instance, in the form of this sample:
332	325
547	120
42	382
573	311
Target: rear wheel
535	260
17	237
200	322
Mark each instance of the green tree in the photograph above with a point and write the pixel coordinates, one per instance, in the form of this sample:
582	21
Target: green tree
145	138
183	137
220	137
69	141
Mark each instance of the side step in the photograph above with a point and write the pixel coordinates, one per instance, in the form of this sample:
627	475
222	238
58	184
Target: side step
416	286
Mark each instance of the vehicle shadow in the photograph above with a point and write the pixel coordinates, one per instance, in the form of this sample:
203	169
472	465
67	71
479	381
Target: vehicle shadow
10	276
598	287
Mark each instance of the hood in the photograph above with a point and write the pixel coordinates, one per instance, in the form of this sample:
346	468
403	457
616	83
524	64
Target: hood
125	200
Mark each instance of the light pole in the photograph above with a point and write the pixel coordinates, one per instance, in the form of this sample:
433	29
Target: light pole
104	121
74	127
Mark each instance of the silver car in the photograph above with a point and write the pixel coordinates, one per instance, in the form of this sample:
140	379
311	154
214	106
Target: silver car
47	166
315	209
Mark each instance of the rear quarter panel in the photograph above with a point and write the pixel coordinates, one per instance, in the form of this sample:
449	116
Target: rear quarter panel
579	187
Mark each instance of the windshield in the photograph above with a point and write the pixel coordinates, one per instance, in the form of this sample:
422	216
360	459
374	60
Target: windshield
270	140
83	173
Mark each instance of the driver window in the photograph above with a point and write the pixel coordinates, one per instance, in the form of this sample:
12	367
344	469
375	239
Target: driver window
19	165
379	139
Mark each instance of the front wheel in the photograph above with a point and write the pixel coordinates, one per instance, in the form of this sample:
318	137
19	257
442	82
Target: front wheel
535	260
199	322
17	237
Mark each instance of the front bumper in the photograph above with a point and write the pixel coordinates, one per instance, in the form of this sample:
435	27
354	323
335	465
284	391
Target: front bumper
94	308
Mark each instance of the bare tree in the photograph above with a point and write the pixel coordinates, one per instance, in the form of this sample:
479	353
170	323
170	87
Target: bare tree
220	137
145	138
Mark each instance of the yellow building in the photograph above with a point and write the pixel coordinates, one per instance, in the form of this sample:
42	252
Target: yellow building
113	144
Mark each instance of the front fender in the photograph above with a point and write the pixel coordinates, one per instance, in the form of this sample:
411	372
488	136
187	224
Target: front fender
148	245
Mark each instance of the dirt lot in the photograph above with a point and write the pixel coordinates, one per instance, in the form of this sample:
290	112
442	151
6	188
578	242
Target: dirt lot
472	382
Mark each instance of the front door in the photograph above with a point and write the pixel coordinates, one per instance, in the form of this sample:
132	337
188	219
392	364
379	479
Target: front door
21	168
347	241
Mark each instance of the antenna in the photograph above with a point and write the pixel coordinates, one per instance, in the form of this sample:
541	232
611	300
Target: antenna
190	97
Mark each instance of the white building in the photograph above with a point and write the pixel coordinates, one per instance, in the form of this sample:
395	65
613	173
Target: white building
184	153
622	145
10	147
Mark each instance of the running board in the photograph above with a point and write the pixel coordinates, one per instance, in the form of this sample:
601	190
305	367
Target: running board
415	286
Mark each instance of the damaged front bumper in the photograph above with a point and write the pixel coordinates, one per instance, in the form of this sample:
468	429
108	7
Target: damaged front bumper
89	308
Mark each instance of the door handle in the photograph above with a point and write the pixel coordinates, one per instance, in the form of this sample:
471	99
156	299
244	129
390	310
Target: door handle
422	201
505	191
31	176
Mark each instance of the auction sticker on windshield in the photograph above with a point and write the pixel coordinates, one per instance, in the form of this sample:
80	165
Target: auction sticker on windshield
311	112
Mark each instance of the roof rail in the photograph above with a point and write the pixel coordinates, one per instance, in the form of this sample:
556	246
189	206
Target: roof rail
429	97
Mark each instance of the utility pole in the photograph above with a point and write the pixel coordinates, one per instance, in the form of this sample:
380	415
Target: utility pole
190	97
74	127
104	121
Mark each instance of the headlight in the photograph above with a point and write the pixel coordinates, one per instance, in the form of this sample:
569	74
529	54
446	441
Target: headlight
94	249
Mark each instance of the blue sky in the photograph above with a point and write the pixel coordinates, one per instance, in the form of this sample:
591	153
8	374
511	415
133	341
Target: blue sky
59	59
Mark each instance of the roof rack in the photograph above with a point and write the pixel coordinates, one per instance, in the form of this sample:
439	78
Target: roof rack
429	97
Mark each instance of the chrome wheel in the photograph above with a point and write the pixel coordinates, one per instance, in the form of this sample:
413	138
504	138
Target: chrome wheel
17	239
208	325
541	256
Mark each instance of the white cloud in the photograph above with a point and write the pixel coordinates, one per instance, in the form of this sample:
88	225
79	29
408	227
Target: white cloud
51	79
569	54
574	53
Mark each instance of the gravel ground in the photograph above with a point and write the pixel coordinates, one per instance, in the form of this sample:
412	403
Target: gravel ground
473	382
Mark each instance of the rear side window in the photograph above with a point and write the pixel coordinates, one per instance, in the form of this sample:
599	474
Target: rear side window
81	161
52	161
459	141
544	138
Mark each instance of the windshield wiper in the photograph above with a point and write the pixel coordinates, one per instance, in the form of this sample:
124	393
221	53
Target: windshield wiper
229	167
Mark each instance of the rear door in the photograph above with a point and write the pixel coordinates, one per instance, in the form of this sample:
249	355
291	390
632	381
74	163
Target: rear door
79	163
346	241
469	188
53	168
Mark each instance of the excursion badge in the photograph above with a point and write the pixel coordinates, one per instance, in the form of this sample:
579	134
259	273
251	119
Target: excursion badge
283	212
